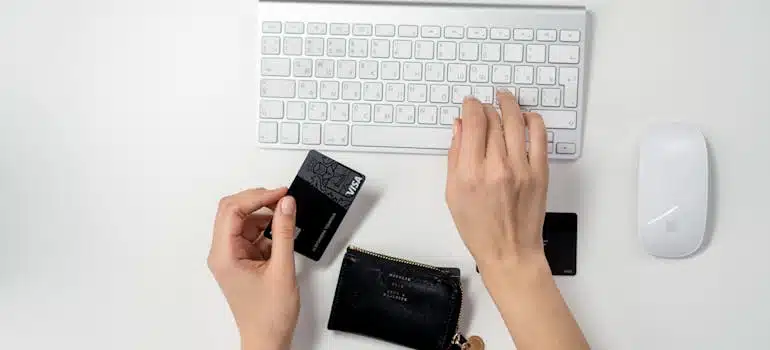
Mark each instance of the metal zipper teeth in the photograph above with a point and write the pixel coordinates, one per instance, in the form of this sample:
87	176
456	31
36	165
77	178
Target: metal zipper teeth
411	262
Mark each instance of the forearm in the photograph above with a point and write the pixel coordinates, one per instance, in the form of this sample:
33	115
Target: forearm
530	303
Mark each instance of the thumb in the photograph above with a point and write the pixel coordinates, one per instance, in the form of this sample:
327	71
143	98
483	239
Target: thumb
284	221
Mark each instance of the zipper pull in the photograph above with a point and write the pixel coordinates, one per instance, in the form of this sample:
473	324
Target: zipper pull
459	342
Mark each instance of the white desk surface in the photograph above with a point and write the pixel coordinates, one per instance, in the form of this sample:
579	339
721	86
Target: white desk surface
123	122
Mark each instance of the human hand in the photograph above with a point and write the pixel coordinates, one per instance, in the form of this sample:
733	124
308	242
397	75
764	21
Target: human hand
257	276
495	192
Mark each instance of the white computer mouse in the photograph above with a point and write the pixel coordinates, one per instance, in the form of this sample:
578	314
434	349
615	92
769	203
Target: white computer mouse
673	190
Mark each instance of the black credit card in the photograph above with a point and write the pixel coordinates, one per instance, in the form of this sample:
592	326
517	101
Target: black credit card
324	189
560	243
560	240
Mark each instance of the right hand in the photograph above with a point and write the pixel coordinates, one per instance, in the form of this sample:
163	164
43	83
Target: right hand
496	190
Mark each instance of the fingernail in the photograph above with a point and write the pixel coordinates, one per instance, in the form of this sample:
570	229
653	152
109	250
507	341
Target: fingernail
454	128
471	98
288	206
505	91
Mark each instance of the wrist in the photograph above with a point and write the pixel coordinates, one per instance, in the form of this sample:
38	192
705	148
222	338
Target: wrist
515	274
263	343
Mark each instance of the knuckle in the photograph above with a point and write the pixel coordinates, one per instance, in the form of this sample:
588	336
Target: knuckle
225	203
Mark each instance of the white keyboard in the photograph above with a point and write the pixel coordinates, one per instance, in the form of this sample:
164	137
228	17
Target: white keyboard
392	78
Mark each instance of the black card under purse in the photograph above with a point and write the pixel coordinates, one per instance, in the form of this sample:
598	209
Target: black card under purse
399	301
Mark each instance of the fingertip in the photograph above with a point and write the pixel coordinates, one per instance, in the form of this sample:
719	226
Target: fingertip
287	206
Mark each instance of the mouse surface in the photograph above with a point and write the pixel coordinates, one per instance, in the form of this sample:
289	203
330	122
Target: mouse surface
673	190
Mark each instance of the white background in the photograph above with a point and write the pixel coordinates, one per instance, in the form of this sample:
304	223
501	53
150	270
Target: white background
123	122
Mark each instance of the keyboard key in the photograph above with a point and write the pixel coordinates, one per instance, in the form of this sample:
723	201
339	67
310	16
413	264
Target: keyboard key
290	132
523	74
546	75
324	68
372	91
568	76
407	31
271	27
295	110
477	33
387	30
490	52
351	90
500	34
395	92
417	93
550	147
439	93
391	70
368	69
402	49
479	73
412	71
405	114
271	45
423	50
335	47
523	34
427	115
454	32
485	94
303	67
383	113
513	53
292	46
336	134
316	28
546	35
565	148
277	88
460	92
311	134
295	28
564	54
570	36
358	48
362	29
314	46
528	96
275	67
317	111
346	69
446	50
330	90
339	29
268	132
434	71
307	89
270	109
361	113
550	136
536	53
404	137
448	115
558	119
551	98
380	48
501	74
431	31
469	51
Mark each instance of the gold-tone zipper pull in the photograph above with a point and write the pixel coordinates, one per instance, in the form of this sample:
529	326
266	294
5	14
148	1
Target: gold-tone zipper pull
459	342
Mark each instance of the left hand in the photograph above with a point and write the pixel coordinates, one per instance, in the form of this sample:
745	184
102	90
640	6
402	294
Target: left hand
257	276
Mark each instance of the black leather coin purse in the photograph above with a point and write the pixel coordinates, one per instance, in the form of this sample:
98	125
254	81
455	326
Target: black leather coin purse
397	300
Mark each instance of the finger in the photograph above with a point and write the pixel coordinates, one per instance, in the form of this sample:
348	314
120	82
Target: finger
254	225
454	148
234	209
513	127
495	140
473	146
284	221
538	144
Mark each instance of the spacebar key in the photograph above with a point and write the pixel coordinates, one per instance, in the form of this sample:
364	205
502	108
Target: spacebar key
400	137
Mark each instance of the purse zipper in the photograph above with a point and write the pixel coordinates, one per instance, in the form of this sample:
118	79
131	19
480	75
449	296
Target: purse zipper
458	339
